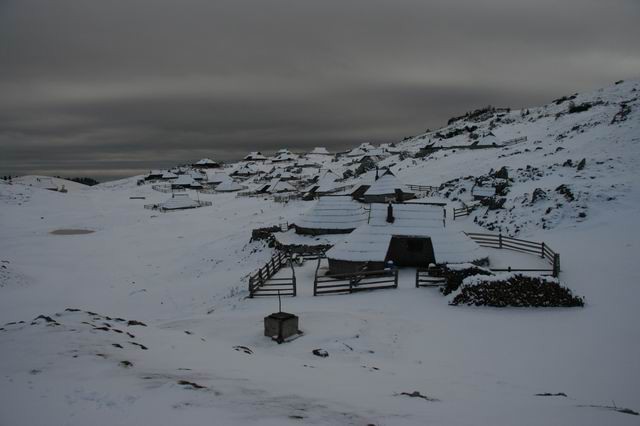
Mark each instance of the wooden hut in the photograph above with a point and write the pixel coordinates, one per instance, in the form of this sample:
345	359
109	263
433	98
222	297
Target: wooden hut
154	175
185	182
319	150
179	201
406	234
206	163
275	186
387	188
255	156
229	186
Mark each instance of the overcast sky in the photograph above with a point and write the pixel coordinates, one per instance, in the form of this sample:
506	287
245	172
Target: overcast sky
113	88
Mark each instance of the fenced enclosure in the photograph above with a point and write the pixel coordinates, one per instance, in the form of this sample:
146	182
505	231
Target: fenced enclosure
263	283
354	282
285	198
166	189
516	244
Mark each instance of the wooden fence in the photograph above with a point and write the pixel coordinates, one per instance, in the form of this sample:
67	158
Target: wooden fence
423	190
285	198
462	211
503	242
162	188
262	283
354	282
427	277
201	203
514	141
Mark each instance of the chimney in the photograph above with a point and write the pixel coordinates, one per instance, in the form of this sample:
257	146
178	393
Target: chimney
390	218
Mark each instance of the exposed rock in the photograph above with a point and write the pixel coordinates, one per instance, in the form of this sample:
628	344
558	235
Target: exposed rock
320	352
538	194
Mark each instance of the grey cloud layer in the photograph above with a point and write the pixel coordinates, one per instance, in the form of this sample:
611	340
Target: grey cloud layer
109	87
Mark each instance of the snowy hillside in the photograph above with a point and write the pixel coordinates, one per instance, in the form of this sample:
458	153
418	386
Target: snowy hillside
127	315
51	183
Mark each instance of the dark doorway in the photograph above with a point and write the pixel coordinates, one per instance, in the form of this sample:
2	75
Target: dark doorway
410	251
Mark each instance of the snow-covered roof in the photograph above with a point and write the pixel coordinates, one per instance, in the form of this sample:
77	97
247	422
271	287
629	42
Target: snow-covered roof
276	185
229	186
179	201
320	150
483	191
217	177
205	162
196	175
390	148
156	173
255	155
307	163
169	175
489	139
370	242
247	169
287	176
377	152
366	146
356	152
339	212
387	185
285	156
186	180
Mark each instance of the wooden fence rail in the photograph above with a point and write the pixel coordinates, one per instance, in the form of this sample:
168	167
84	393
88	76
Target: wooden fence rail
354	282
462	211
516	244
262	283
425	190
428	277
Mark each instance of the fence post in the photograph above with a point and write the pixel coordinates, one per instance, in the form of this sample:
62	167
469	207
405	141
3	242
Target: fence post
315	279
500	240
395	278
542	249
556	265
251	287
293	271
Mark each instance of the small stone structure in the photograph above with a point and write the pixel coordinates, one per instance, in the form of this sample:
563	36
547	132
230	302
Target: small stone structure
280	326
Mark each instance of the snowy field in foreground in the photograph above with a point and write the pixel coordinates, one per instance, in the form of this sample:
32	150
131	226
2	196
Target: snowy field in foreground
184	272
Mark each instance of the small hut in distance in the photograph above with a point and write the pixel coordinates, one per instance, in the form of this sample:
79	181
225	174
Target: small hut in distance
179	201
387	188
229	186
255	156
319	150
206	163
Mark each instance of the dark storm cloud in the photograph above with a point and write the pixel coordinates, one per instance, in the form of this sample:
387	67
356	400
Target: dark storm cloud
111	88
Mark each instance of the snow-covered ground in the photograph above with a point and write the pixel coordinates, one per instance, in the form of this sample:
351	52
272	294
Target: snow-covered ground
146	320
